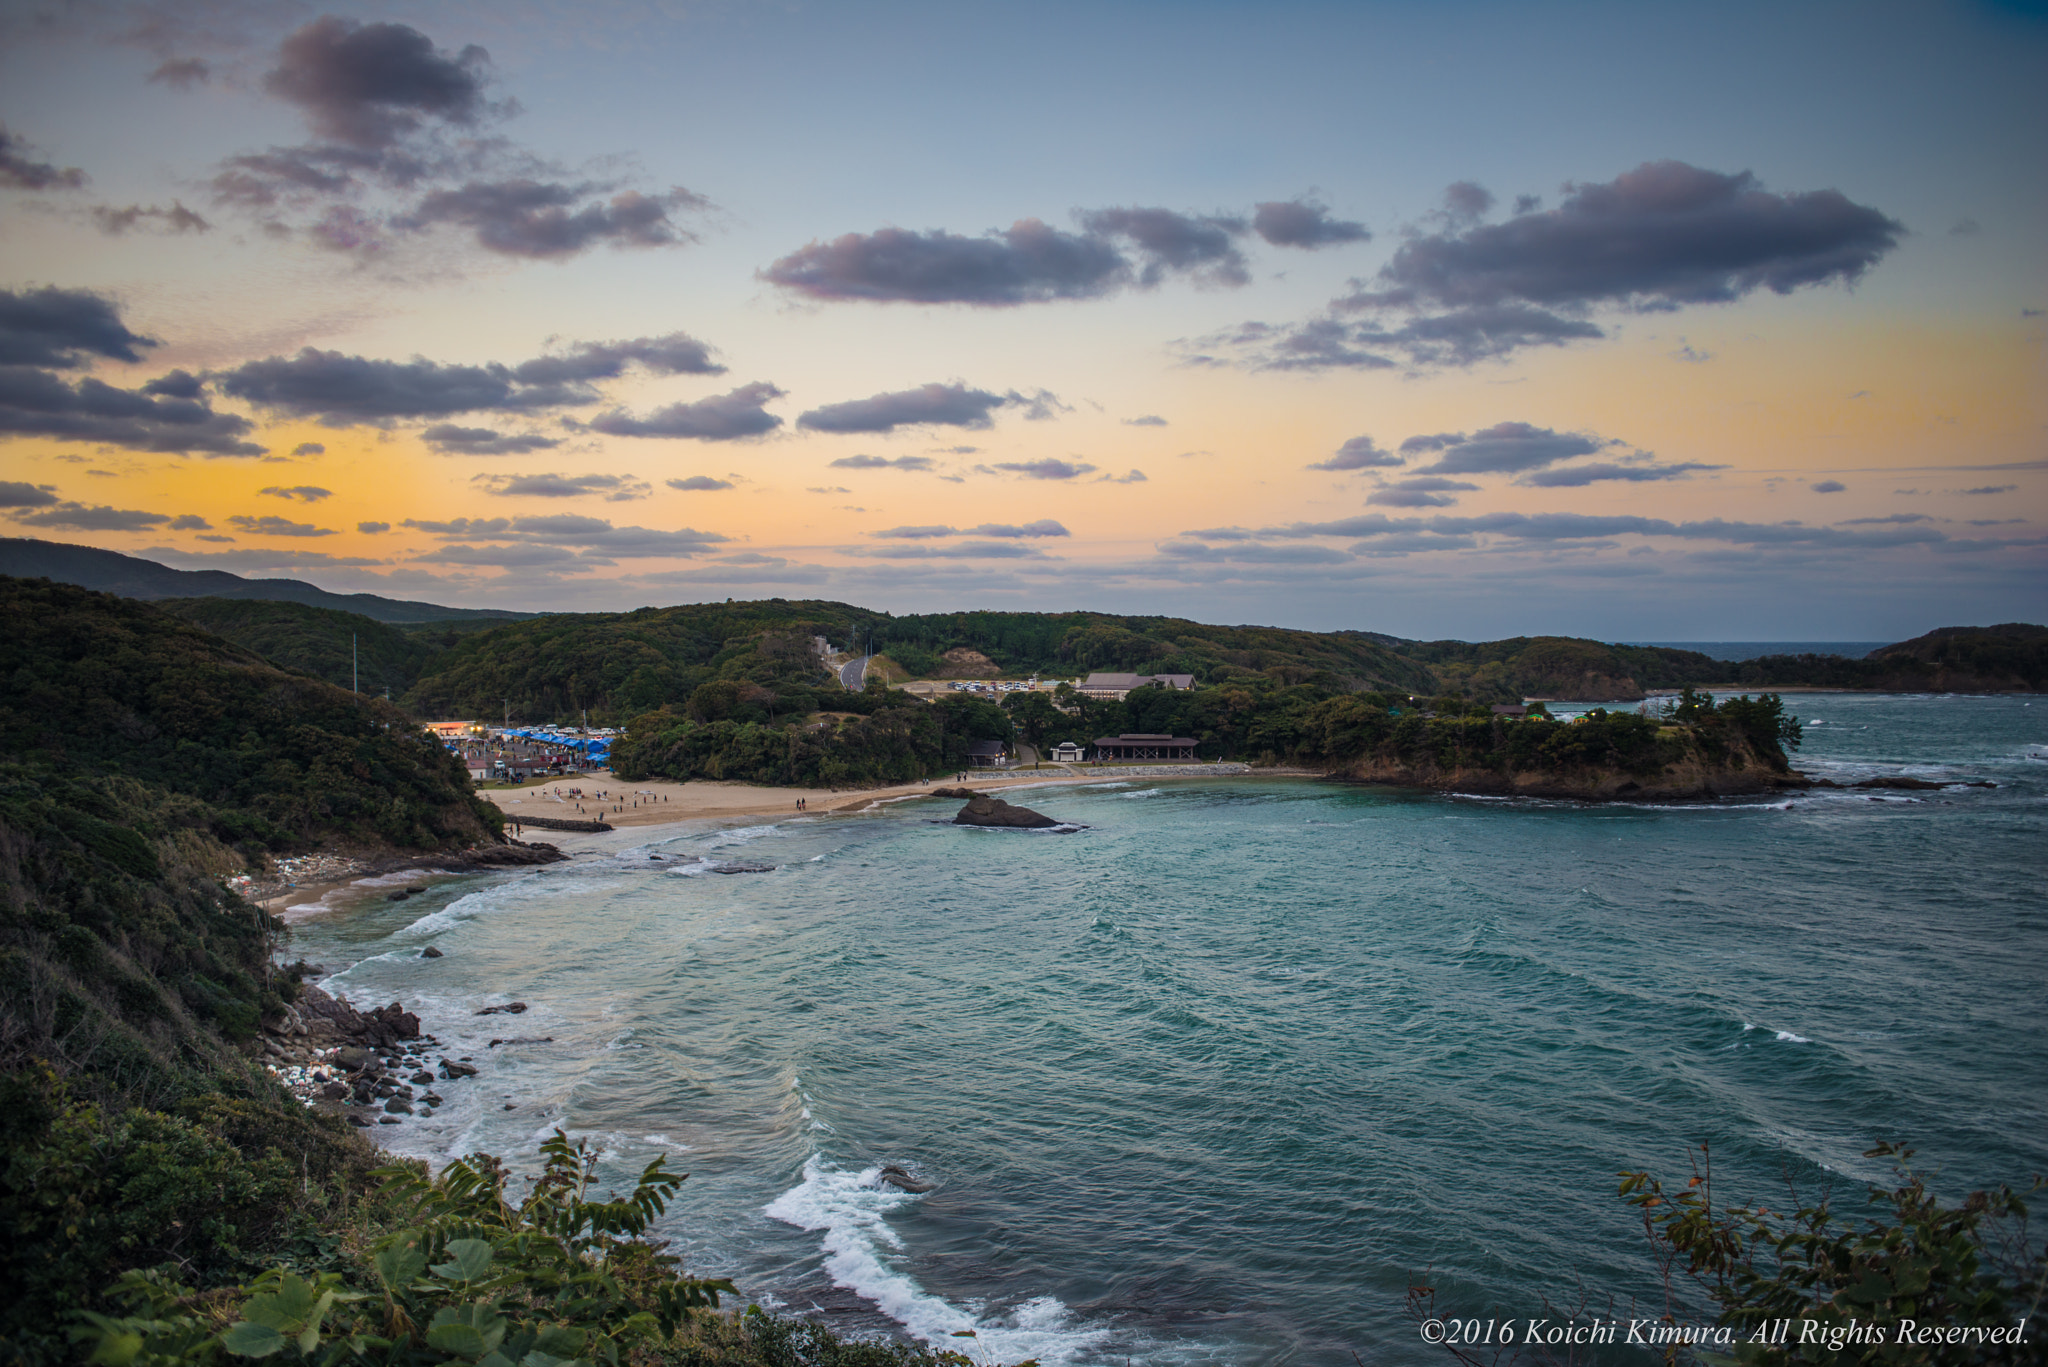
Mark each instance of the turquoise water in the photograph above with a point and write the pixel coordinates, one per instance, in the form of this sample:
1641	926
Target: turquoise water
1215	1079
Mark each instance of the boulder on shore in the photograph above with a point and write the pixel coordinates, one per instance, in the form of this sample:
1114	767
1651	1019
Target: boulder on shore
982	810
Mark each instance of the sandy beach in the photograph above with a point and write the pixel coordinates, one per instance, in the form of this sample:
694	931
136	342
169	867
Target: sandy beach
655	802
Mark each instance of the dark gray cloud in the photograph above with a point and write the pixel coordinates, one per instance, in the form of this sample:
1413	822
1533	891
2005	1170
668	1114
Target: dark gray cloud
176	219
1504	448
947	405
373	528
305	493
1304	223
965	550
723	417
176	384
190	522
883	463
1359	453
83	518
1663	236
342	391
19	169
253	558
473	527
60	329
309	448
1895	519
1397	496
1550	528
15	494
1989	489
1828	486
1131	476
452	440
676	353
614	488
1045	526
914	533
1578	476
1247	552
371	85
1046	469
699	484
1149	420
272	525
37	403
517	557
181	73
596	534
1027	263
1200	246
542	220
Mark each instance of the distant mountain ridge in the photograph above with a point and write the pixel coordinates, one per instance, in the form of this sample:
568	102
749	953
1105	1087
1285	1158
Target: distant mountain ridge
133	577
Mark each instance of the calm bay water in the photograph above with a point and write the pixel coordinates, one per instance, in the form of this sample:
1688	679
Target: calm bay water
1216	1078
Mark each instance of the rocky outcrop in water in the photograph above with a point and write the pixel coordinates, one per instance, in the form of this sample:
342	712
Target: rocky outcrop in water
983	810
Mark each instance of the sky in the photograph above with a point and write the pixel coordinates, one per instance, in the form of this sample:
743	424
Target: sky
1641	322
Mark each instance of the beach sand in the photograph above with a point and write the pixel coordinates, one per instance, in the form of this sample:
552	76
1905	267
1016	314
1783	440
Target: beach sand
662	802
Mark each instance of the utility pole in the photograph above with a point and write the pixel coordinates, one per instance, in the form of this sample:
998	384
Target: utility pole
354	674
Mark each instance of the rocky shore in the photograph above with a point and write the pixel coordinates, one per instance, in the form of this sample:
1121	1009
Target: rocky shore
291	872
375	1066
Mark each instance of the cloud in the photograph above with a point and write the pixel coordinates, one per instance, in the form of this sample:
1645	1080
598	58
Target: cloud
373	528
1828	486
1989	489
699	484
1965	227
1046	469
828	489
914	533
1661	237
370	85
19	170
499	557
573	529
1027	263
343	391
176	219
190	522
37	403
882	463
615	488
1578	476
15	494
1359	453
272	525
966	550
1564	527
1045	526
1173	243
948	405
59	329
1501	449
1132	476
1397	496
538	219
1252	553
1689	354
93	519
176	384
474	527
181	73
1149	420
724	417
451	440
1304	223
1892	520
309	493
309	448
253	558
675	353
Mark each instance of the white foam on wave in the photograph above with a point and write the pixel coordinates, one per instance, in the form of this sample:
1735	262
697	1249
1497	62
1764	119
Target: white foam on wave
1148	792
1094	786
740	835
851	1208
1787	1037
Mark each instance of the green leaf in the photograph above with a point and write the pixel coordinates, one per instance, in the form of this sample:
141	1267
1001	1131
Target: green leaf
286	1309
469	1331
559	1340
246	1340
468	1260
399	1267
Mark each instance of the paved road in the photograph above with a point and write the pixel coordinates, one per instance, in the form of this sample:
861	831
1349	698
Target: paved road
853	674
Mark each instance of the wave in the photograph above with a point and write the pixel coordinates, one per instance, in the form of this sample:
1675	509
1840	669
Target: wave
1148	792
851	1208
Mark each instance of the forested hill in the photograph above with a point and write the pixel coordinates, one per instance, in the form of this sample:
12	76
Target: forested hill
346	649
133	577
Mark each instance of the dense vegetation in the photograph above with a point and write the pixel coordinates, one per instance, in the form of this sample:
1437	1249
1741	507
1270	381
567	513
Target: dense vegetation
346	649
2007	658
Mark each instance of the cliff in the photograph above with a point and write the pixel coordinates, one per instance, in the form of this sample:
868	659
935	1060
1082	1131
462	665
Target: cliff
1683	769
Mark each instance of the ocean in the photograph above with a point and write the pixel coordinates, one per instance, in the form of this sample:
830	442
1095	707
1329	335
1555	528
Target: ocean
1215	1079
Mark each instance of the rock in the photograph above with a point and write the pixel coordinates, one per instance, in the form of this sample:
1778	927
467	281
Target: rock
510	1107
544	1039
452	1070
354	1059
422	1077
743	868
362	1121
388	1120
335	1091
430	953
400	895
508	1009
962	794
982	810
515	854
431	1099
398	1105
897	1177
1896	781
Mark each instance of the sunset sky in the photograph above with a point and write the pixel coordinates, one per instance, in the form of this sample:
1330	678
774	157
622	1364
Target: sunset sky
1671	322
